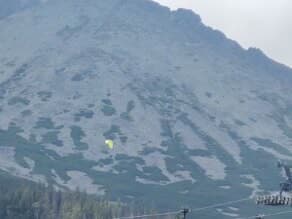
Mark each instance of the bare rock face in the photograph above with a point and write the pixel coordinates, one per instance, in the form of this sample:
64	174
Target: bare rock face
191	113
10	7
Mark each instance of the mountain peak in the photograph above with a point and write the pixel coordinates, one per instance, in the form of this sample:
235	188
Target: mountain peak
187	16
188	110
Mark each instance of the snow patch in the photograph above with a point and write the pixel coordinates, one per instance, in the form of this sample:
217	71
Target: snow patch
212	166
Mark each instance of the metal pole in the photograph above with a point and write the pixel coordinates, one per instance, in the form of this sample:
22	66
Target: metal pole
185	211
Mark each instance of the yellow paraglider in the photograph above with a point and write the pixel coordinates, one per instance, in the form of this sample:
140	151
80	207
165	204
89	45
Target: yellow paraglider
109	143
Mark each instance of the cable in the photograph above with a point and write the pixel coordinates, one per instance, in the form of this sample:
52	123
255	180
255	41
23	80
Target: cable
266	215
221	204
151	215
196	209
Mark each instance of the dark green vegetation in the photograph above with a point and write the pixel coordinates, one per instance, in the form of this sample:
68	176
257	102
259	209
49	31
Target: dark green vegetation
169	91
126	115
21	199
44	95
83	113
18	100
45	159
166	197
77	134
107	107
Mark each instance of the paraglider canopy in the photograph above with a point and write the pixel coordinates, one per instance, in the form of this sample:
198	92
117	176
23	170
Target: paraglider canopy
109	143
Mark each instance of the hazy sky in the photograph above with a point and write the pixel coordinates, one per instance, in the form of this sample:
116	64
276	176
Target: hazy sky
265	24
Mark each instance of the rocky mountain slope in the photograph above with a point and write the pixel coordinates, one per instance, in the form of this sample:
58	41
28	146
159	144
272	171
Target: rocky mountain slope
195	118
8	8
